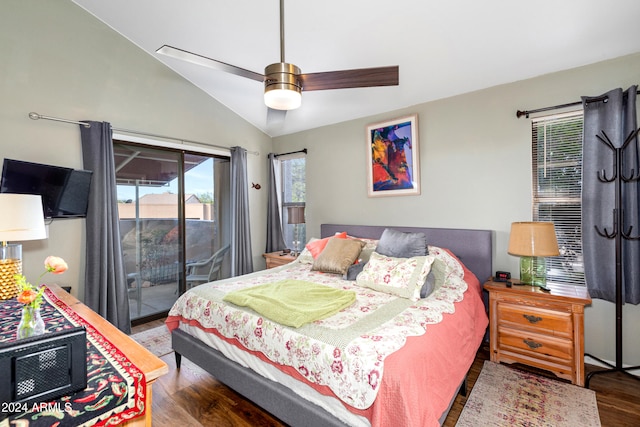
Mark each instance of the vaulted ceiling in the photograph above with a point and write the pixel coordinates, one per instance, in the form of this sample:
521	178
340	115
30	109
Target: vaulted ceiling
443	47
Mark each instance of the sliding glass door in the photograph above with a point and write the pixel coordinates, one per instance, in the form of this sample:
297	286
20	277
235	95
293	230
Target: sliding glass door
171	205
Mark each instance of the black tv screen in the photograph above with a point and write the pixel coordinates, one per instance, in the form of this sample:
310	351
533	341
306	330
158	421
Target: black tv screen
64	191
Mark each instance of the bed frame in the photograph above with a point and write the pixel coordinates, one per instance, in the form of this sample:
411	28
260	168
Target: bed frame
473	247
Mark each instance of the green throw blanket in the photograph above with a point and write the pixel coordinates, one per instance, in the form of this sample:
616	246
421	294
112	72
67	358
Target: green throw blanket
293	302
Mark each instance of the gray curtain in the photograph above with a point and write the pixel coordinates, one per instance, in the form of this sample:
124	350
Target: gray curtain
105	277
241	256
613	113
275	240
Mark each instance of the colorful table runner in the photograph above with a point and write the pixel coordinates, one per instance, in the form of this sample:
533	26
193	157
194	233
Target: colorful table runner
116	388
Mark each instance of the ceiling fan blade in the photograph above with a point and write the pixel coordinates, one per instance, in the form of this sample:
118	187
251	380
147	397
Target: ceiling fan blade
194	58
344	79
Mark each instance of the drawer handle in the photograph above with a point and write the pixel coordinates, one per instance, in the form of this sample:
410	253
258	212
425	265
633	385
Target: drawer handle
532	319
532	344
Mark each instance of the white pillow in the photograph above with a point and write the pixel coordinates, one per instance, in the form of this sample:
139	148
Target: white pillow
402	277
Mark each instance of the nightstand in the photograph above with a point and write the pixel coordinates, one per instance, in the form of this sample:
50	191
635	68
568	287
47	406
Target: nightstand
275	259
543	329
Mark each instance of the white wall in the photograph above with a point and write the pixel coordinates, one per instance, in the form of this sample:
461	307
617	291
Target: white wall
475	159
58	60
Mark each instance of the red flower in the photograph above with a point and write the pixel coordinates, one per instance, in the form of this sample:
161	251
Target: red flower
55	265
27	296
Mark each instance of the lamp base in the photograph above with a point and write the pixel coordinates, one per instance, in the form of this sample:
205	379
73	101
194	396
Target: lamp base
533	271
10	265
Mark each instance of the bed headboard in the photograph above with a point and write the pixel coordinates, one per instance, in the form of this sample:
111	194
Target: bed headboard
473	247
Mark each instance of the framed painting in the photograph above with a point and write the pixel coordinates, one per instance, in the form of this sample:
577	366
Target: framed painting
393	158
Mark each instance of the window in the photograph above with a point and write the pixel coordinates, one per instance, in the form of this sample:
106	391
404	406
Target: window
557	185
293	194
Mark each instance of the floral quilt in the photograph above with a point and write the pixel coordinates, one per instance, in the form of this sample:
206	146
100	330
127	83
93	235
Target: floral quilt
345	352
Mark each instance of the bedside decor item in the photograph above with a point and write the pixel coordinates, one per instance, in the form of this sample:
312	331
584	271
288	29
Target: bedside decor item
31	323
21	218
295	216
532	241
393	158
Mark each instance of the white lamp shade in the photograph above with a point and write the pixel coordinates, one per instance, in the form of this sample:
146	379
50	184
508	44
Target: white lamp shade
21	217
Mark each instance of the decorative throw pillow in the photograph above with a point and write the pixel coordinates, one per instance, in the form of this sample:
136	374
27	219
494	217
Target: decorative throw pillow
398	244
317	246
403	277
338	255
305	256
354	270
435	278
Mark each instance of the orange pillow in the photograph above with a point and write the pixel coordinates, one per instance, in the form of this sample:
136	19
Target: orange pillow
318	246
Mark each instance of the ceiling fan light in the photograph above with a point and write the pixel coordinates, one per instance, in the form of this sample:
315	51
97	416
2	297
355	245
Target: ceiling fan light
282	89
283	99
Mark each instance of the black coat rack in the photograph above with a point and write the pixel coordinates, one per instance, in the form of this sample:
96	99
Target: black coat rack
618	233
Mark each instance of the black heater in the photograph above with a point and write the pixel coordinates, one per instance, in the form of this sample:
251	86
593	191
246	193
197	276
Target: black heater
42	368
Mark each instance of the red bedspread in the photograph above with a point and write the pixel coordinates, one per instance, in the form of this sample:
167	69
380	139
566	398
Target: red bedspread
421	378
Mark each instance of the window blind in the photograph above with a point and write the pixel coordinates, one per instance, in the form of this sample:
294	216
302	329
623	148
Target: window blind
557	184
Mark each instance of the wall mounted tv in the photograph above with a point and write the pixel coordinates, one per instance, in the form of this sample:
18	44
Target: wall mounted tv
64	191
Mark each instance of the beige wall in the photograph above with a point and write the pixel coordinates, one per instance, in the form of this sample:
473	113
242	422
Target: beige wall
60	61
475	159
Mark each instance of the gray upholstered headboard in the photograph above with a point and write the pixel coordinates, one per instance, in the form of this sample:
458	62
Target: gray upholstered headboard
473	247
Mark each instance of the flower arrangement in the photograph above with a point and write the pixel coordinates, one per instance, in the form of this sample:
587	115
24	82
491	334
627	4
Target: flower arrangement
30	295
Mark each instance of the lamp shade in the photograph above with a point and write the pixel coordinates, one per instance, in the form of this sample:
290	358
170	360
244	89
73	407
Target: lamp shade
537	239
21	217
295	214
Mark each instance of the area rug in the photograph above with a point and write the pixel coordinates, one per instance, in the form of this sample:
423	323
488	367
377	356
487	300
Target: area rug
157	340
503	396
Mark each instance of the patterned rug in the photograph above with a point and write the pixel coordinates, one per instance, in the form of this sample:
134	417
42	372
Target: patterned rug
156	340
503	396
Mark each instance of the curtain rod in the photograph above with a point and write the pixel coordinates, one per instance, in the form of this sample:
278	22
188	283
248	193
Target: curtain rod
36	116
304	150
526	113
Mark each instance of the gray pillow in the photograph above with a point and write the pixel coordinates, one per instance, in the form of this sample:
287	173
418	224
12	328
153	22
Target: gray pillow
354	270
398	244
434	279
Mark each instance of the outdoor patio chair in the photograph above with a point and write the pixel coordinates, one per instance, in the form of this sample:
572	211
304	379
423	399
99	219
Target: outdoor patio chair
211	268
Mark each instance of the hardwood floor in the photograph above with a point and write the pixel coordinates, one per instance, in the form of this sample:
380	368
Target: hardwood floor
192	397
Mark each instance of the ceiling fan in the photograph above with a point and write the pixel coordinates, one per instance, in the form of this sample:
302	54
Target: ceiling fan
284	82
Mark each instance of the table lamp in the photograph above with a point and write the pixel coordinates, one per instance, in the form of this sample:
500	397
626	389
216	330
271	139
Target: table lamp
532	241
295	216
21	218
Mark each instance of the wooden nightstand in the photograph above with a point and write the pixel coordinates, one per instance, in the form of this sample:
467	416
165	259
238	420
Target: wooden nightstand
539	328
275	259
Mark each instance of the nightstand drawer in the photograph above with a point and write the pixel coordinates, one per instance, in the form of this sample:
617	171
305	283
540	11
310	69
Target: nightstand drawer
535	344
557	323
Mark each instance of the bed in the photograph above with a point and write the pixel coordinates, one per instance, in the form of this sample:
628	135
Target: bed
418	381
